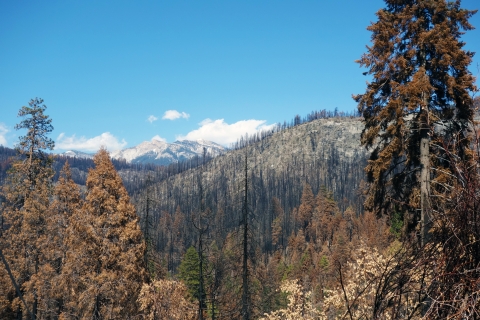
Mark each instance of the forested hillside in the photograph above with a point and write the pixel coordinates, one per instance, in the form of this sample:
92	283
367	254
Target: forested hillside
287	204
323	153
133	175
328	217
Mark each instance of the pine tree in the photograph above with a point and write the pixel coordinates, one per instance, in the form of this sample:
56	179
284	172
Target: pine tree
325	210
418	97
106	253
278	225
246	246
188	271
27	195
66	203
305	210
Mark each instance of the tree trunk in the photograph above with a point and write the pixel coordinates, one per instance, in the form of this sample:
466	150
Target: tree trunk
15	285
202	304
245	291
201	289
424	181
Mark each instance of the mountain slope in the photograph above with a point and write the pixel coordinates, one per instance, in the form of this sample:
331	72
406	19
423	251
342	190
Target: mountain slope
162	153
324	153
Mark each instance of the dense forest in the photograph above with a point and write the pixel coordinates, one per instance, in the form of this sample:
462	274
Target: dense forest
369	215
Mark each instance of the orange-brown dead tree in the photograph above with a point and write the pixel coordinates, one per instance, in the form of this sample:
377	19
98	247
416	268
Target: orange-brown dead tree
56	282
106	248
27	195
305	211
419	95
418	112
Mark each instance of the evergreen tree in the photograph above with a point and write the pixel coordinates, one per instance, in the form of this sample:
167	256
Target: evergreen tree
419	96
106	253
66	203
246	246
27	195
189	273
325	210
305	210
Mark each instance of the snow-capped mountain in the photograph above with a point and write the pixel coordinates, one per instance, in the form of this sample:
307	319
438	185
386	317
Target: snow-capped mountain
77	154
163	153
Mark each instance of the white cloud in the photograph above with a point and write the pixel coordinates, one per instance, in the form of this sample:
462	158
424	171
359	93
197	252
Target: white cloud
174	114
223	133
3	133
152	118
106	140
158	138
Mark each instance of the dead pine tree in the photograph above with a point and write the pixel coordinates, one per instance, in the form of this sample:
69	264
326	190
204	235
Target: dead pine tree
417	110
419	97
147	226
106	247
201	227
245	227
27	191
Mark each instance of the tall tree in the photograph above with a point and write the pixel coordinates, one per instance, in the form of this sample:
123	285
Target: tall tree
245	228
66	203
106	248
278	224
419	95
27	195
189	273
305	211
201	227
147	225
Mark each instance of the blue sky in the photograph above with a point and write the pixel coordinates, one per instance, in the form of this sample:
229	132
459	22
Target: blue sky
117	73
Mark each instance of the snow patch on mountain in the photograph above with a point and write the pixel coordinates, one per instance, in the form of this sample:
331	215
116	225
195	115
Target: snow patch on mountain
77	154
163	153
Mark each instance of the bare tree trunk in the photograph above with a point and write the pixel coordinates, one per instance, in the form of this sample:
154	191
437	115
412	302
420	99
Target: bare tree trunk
35	298
424	185
15	285
245	291
424	161
201	289
202	304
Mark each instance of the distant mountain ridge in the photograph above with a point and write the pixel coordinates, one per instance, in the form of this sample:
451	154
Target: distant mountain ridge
77	154
163	153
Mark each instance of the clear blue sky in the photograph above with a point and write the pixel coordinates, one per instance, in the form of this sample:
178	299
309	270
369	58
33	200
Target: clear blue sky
110	70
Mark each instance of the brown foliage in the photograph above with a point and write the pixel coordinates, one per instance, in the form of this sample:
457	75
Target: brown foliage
53	283
27	195
420	82
105	260
305	211
166	299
